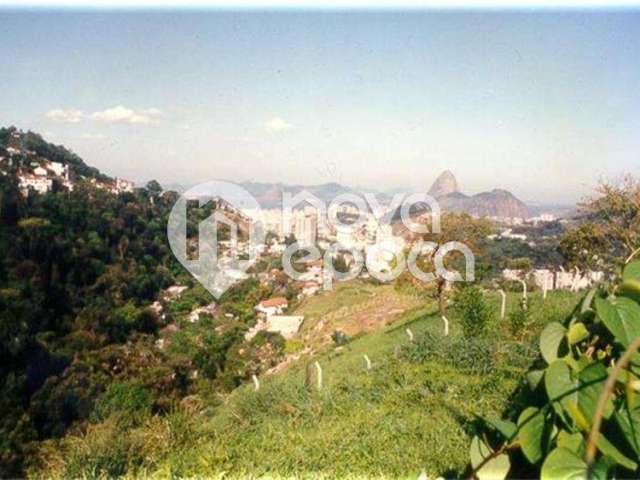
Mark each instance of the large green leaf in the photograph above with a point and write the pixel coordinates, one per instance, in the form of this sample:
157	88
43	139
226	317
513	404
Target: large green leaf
632	271
532	433
563	464
506	427
495	469
610	450
592	380
571	441
577	364
561	388
534	378
628	419
601	467
550	341
577	333
578	398
588	300
621	316
630	288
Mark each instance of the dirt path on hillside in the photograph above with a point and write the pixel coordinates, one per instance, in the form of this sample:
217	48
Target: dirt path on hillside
360	317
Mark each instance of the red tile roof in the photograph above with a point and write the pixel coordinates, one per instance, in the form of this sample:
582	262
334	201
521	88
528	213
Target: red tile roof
274	302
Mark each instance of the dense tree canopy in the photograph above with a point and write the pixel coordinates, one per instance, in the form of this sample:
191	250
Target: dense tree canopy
616	212
79	271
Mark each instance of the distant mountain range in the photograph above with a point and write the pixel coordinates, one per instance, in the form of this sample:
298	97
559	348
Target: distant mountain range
26	154
269	195
496	203
446	189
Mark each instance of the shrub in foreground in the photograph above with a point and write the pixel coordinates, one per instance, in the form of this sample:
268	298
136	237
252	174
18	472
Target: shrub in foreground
473	310
581	411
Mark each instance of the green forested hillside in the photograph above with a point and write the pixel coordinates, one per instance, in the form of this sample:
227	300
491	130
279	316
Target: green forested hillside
414	409
79	273
76	273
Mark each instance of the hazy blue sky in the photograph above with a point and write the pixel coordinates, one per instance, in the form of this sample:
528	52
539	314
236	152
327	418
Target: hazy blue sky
541	103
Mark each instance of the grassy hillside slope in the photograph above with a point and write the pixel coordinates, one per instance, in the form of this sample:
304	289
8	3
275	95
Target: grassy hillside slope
414	409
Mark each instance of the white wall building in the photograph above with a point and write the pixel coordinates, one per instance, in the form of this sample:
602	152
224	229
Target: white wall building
306	229
272	221
272	306
508	233
40	172
58	169
124	185
39	184
545	278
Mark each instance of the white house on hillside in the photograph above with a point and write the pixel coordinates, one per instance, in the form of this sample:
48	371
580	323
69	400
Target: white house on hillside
272	306
39	184
40	172
58	169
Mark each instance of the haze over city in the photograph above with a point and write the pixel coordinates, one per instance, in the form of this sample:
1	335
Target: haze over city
541	103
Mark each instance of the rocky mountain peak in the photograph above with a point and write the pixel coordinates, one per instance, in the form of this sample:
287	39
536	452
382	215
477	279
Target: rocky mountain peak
445	184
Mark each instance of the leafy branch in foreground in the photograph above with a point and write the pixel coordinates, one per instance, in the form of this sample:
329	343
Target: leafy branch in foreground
581	413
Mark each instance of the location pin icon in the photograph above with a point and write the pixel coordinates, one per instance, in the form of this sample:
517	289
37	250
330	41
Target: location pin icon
234	229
